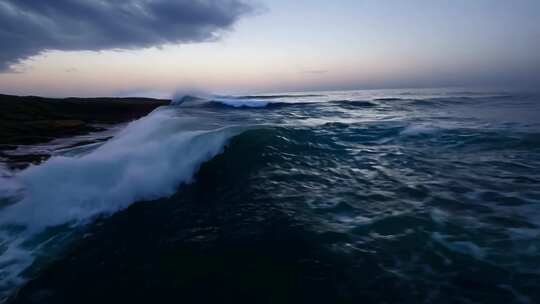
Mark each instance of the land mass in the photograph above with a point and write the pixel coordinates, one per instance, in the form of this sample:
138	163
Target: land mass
32	120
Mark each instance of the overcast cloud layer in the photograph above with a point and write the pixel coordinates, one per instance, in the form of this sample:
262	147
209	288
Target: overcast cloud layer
28	27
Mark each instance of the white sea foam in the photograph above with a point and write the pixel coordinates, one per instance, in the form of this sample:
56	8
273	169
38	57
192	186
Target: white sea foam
148	160
419	129
240	103
9	186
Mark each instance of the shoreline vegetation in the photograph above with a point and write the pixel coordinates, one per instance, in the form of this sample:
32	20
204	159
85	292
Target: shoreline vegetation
32	120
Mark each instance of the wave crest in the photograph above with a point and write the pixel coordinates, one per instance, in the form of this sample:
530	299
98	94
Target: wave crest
146	161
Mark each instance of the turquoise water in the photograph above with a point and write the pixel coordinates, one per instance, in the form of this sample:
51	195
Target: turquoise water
391	196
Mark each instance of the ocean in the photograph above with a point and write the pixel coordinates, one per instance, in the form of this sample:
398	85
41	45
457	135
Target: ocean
373	196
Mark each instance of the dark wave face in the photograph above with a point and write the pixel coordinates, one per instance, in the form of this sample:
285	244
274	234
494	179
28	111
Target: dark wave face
340	197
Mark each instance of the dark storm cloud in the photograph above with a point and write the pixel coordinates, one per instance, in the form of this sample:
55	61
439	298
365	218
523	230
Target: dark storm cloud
28	27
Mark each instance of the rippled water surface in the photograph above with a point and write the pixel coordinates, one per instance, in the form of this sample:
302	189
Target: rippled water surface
394	196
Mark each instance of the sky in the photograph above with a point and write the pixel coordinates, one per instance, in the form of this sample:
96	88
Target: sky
159	47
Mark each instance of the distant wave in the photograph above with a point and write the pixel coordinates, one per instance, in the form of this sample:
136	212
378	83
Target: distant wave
275	101
275	96
235	102
243	103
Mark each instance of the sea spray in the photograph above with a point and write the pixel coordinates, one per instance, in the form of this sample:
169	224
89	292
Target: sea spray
148	160
9	186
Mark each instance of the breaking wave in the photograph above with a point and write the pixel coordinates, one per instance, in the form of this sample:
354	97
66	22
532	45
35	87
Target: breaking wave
148	160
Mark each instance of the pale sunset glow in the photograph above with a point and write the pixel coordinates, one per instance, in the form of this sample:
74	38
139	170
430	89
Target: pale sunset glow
312	45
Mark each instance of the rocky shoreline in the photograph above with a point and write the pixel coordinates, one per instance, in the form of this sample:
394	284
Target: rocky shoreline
31	120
